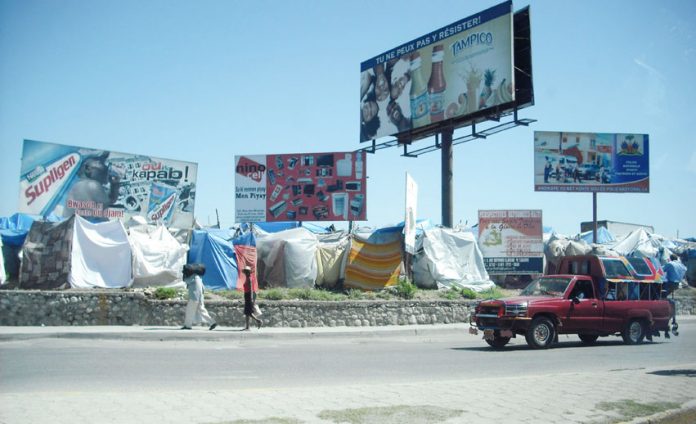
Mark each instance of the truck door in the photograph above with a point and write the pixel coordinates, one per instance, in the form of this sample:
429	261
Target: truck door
586	313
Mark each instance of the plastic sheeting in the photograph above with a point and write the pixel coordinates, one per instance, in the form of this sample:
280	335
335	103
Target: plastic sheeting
3	277
246	254
638	243
374	262
101	255
214	249
603	236
46	255
331	259
447	258
287	258
158	257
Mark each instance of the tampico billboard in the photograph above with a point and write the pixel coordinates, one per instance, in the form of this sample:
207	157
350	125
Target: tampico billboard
591	162
100	184
452	72
511	241
301	187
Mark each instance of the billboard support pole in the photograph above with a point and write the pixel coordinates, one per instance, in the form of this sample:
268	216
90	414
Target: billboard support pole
594	217
446	153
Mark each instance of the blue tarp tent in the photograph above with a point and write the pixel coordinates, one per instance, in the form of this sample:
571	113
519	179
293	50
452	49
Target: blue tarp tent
213	248
603	236
14	231
275	227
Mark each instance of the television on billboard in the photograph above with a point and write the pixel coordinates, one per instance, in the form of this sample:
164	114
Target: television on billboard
301	187
104	185
511	241
457	71
591	162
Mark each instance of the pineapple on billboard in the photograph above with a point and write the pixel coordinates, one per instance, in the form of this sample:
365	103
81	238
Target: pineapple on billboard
455	71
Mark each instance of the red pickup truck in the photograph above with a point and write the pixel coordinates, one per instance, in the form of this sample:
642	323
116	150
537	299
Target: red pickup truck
591	296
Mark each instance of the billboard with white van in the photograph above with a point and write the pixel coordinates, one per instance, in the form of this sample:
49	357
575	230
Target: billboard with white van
591	162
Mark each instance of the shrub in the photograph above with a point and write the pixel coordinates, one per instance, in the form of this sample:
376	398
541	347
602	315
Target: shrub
406	289
467	293
493	293
163	293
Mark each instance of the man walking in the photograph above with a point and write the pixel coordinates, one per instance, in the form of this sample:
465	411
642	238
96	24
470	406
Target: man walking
674	273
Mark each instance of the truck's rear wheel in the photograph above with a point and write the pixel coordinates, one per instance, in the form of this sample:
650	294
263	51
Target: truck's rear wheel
541	333
498	342
588	338
634	332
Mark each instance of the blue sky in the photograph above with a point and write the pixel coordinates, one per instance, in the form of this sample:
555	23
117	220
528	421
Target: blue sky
204	81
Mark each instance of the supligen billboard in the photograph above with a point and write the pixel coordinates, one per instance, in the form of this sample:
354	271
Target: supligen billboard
104	185
301	187
455	71
591	162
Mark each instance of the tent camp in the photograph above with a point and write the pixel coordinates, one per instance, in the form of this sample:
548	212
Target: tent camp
158	257
214	249
287	258
374	260
448	258
76	253
332	254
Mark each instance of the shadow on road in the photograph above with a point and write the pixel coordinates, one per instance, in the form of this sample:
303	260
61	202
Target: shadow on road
559	345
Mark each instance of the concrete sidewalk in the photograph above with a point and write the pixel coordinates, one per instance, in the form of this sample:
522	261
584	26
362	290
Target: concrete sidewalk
162	333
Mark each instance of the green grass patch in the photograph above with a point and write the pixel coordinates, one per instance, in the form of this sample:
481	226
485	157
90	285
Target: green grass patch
230	294
400	414
629	409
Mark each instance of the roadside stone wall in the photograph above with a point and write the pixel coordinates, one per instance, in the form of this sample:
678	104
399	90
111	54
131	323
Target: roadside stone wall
79	308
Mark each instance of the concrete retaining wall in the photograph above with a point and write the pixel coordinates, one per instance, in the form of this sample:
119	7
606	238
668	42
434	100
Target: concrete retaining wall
59	308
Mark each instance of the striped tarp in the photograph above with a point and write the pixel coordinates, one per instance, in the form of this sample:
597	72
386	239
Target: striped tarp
373	266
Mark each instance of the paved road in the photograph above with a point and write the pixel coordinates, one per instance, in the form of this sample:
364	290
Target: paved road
373	376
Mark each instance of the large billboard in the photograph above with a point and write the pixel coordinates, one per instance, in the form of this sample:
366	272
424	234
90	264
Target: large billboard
104	185
511	241
301	187
453	72
591	162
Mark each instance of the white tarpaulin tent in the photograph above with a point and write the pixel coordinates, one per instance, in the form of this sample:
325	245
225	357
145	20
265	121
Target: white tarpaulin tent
158	257
331	258
287	258
446	258
638	243
100	256
2	266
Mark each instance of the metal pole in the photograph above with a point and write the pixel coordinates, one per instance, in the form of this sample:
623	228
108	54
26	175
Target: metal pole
447	211
594	217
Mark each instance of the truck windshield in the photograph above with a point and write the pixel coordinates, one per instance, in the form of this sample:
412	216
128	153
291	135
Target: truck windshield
554	287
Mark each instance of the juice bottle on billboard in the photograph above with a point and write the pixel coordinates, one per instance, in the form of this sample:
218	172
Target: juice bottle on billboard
437	85
419	94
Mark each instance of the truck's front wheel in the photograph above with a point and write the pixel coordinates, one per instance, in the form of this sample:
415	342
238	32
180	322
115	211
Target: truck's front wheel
541	333
634	332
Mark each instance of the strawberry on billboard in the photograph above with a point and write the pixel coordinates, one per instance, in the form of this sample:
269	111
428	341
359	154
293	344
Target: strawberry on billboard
102	185
300	187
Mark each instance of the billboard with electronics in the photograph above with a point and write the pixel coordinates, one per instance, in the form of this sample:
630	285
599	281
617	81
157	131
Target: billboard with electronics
457	71
591	162
301	187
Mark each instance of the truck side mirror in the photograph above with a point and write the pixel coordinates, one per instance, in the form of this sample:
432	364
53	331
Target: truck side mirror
575	300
